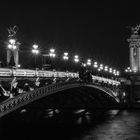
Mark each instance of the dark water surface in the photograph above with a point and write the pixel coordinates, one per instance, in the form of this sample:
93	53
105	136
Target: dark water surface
72	125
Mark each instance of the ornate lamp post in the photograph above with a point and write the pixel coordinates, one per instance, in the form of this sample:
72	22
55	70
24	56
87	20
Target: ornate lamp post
65	58
12	47
52	53
35	51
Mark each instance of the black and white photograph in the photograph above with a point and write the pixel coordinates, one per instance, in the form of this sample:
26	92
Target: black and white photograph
70	70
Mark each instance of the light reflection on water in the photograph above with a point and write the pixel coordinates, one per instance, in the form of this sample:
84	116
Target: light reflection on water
125	126
89	125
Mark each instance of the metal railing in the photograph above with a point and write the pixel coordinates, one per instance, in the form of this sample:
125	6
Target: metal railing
28	97
25	98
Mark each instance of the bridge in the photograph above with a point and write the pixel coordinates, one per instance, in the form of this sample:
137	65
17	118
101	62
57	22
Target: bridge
62	82
86	85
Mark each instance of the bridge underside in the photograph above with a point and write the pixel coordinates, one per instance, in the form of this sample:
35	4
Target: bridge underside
66	101
80	97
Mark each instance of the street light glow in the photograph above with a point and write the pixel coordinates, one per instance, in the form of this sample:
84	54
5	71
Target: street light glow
84	65
12	41
35	51
76	58
65	54
106	68
10	46
14	47
65	57
35	46
95	65
101	66
52	55
89	62
117	73
110	70
52	50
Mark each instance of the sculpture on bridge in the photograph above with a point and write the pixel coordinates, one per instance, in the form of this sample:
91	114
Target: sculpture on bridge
135	29
12	31
13	47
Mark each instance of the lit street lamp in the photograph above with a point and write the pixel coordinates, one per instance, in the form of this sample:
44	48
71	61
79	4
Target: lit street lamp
52	53
110	70
106	68
65	56
101	67
76	58
128	70
95	65
12	49
89	62
35	51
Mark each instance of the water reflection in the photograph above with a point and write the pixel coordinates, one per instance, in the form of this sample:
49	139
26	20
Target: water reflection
75	124
125	126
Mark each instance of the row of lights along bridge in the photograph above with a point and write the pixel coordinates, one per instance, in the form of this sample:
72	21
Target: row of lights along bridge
13	45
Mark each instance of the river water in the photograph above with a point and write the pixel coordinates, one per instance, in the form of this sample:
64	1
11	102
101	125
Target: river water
77	125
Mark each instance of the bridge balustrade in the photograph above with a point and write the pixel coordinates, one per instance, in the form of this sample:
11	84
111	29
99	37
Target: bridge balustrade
5	72
106	80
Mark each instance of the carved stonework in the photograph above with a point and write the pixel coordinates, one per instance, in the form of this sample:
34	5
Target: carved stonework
135	29
134	45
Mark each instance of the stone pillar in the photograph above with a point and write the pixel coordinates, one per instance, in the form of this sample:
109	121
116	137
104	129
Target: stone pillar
134	45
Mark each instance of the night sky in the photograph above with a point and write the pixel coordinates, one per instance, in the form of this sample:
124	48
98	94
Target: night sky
97	30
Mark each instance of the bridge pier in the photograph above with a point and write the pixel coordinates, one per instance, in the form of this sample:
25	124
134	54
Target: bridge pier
132	87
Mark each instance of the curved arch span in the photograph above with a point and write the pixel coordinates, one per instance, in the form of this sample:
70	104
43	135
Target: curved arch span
37	94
